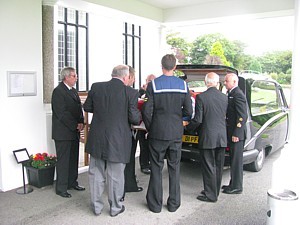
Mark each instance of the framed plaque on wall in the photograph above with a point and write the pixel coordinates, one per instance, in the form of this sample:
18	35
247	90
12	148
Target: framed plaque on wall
21	83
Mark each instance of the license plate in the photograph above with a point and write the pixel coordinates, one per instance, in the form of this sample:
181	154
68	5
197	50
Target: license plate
190	139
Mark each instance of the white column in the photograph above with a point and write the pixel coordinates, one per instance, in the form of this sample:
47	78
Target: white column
286	168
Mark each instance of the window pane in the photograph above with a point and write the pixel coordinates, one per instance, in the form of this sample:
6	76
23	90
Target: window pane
82	59
263	97
71	16
71	47
61	48
82	18
136	63
61	13
129	28
129	51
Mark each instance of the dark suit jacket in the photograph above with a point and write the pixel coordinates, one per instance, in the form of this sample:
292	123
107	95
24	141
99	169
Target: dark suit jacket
168	101
236	114
114	108
66	113
210	118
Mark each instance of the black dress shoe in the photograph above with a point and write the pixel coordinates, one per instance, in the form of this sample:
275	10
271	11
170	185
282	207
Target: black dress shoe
204	198
64	194
232	191
146	171
78	188
121	211
225	186
139	189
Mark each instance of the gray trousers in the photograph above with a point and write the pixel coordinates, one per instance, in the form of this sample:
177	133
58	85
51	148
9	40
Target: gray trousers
102	172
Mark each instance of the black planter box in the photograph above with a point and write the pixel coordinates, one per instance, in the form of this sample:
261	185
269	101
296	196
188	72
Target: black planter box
40	177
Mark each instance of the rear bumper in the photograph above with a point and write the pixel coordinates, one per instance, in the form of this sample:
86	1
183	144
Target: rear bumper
191	153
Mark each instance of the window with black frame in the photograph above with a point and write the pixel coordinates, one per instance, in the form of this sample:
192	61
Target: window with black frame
73	44
132	49
264	98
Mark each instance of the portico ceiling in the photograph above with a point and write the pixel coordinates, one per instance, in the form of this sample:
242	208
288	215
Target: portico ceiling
174	11
169	4
187	10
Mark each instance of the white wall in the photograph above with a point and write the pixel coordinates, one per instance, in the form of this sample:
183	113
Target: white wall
22	118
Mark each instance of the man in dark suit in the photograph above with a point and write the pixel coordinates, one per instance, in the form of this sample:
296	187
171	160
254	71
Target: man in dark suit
236	133
210	121
67	122
130	176
142	134
168	101
114	108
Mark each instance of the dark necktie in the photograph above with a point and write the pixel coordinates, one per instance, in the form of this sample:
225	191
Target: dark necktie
74	93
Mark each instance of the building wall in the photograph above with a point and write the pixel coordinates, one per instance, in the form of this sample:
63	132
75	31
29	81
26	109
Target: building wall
27	120
23	118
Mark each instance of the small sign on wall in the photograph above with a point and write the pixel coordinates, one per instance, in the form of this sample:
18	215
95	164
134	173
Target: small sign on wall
21	83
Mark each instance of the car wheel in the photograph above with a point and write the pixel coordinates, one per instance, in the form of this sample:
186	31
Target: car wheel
258	164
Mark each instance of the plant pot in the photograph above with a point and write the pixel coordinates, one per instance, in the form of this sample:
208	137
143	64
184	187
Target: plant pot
40	177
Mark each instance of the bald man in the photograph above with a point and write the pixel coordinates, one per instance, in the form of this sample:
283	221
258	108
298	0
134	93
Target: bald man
236	132
210	122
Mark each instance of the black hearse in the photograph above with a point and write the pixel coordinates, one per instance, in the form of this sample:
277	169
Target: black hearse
268	119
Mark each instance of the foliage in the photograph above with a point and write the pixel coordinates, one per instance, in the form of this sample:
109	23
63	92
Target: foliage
180	47
255	65
217	50
284	78
42	160
277	61
202	46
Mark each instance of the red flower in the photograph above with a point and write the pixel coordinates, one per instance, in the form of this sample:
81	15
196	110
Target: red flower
42	160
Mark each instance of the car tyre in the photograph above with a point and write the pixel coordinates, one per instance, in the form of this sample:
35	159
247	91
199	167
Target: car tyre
258	164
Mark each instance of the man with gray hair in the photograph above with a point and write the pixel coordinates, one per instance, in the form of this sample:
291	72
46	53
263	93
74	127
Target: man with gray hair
210	122
114	108
236	132
67	122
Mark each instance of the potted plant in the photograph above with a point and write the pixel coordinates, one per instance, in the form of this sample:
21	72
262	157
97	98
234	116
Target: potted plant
40	169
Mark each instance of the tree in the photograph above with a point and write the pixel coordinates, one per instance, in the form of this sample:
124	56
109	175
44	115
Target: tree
277	61
217	50
179	46
233	50
255	66
202	46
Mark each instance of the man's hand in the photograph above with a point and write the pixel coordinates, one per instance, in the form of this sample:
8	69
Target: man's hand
235	139
80	127
185	123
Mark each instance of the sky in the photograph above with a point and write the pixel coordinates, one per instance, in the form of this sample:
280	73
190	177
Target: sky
260	35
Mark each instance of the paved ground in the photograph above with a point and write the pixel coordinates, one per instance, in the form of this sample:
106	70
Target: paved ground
43	207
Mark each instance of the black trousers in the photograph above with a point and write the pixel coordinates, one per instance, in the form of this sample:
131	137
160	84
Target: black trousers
236	164
159	150
212	162
144	149
67	164
129	172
